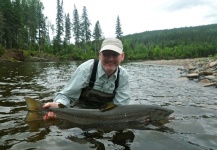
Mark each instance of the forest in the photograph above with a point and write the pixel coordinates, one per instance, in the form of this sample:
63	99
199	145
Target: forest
31	33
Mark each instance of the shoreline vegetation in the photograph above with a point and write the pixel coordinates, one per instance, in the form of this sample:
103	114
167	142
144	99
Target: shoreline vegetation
201	70
35	56
26	56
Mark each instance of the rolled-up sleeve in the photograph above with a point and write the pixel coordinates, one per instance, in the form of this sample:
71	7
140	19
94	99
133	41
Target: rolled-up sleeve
72	91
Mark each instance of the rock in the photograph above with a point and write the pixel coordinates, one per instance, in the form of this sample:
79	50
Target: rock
210	77
204	81
212	64
210	84
204	71
193	75
191	67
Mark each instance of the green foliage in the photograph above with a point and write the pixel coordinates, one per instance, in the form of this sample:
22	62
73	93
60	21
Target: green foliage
2	51
24	26
189	42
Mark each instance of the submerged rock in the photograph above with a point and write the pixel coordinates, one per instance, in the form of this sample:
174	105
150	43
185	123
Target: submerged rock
204	70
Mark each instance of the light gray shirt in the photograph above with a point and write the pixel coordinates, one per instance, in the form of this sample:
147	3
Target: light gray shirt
81	78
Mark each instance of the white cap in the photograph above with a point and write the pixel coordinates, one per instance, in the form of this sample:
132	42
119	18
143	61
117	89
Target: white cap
113	44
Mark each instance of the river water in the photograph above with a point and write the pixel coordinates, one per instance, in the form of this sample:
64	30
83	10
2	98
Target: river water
195	110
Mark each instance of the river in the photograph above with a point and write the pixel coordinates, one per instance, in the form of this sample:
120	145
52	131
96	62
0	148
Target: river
195	110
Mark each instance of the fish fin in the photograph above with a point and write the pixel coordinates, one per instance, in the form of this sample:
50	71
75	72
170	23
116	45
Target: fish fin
33	116
108	106
33	105
159	122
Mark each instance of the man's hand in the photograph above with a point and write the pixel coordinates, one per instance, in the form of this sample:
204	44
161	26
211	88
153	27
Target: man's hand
51	104
51	115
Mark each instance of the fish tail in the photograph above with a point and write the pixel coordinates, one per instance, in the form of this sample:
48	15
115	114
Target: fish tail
33	116
33	105
35	109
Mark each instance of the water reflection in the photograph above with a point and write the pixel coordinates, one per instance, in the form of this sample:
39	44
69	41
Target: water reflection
121	138
194	126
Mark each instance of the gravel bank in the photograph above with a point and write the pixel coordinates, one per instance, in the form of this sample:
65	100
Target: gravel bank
178	62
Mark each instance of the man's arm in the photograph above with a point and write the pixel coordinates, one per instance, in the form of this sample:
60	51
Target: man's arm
73	88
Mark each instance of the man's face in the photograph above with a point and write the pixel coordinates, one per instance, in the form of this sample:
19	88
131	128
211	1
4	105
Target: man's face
110	60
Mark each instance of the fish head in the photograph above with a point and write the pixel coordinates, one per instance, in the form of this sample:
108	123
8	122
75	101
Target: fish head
160	116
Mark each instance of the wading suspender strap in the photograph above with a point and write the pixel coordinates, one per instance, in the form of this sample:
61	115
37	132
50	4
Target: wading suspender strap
117	81
93	75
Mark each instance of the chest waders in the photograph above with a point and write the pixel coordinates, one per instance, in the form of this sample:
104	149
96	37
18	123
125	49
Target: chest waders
91	98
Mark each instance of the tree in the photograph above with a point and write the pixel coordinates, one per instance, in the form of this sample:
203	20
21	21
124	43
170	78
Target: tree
85	24
97	35
7	35
85	29
67	29
76	26
32	22
1	28
17	39
118	30
24	40
42	28
59	27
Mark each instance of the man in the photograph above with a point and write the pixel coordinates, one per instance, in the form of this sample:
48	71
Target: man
110	81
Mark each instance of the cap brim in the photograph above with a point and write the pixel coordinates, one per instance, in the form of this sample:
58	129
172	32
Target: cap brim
113	48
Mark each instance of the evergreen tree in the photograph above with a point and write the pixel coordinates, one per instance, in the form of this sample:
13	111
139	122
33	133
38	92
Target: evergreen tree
33	23
67	29
1	27
85	31
18	23
118	30
76	29
97	35
59	27
42	28
23	40
85	25
7	11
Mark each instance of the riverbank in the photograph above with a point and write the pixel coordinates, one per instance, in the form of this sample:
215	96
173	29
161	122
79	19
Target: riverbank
202	70
27	56
33	56
178	62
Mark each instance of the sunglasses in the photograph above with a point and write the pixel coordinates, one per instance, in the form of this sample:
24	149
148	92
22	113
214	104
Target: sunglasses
110	54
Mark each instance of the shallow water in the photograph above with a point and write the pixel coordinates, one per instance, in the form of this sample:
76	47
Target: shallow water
195	110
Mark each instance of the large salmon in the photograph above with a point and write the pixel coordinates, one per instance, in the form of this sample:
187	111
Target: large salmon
121	114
